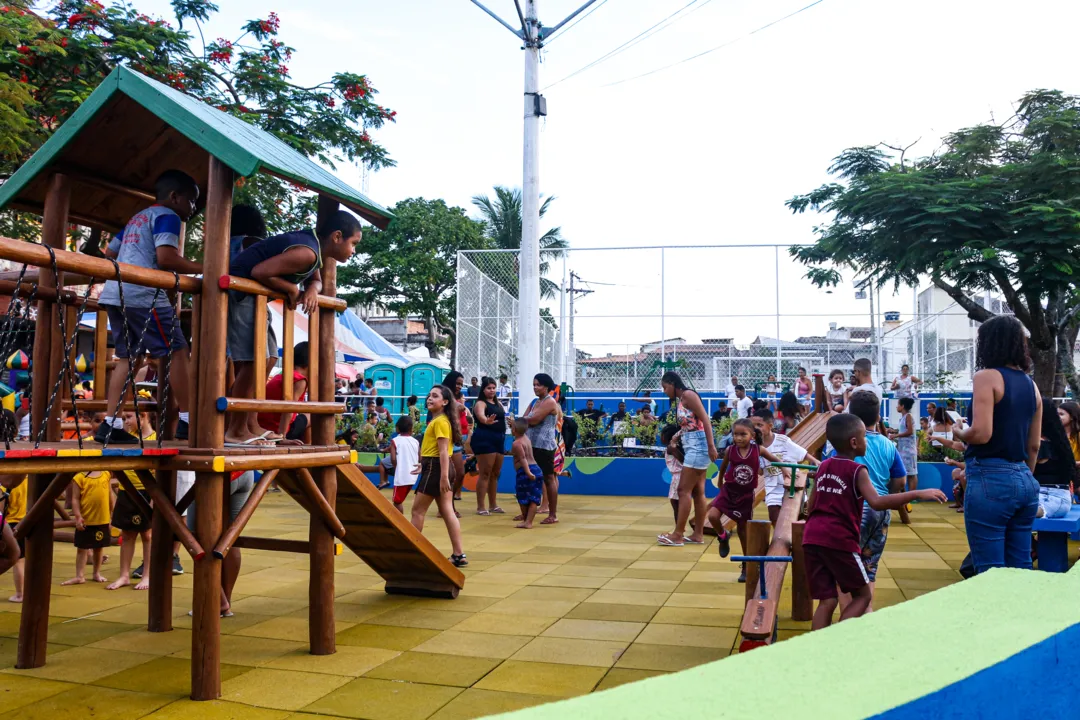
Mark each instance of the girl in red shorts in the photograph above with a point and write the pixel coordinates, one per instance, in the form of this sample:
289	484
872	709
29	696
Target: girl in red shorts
740	469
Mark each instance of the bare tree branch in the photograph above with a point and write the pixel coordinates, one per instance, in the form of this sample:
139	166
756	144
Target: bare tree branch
975	311
1020	310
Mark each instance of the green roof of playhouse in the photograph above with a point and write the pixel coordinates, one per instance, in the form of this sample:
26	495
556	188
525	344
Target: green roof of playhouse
132	128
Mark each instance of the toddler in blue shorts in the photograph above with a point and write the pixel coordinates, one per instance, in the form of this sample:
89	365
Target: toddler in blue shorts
530	479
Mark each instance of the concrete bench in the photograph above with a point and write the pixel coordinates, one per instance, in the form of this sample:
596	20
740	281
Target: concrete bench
1054	539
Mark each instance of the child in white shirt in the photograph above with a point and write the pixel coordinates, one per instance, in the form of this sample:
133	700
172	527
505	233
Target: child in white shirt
405	456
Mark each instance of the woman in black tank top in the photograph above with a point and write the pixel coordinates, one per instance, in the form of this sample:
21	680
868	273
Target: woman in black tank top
1003	438
489	445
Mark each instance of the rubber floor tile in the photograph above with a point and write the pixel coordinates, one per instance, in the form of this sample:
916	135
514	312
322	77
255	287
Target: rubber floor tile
249	651
349	660
687	635
434	669
162	675
81	703
620	676
453	642
15	692
623	613
475	703
279	689
384	700
595	630
83	665
533	678
669	658
214	710
284	628
598	653
385	636
497	624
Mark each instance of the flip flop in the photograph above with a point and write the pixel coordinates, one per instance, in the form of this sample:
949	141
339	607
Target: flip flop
247	443
549	521
266	436
688	541
482	512
665	540
498	511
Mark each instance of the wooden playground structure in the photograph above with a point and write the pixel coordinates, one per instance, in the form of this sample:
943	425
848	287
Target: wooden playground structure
96	172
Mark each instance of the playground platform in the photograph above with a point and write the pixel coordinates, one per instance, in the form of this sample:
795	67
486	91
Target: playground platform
546	614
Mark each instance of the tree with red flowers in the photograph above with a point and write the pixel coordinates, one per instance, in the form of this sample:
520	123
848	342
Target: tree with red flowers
50	63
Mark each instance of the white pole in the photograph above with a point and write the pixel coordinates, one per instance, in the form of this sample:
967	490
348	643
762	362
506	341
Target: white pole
564	332
881	336
529	260
779	371
663	344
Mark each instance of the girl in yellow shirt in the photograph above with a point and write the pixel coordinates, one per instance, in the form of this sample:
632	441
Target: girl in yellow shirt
441	434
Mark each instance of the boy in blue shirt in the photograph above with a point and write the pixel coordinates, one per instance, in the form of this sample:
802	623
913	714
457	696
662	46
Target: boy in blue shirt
281	263
886	468
151	239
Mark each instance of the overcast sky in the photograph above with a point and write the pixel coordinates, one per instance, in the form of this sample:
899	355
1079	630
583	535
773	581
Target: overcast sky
704	153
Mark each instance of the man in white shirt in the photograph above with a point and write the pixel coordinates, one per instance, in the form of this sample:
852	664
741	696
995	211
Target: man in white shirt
504	392
864	380
729	391
743	404
784	448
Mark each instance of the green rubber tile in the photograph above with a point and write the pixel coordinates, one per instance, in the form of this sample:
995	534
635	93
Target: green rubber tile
163	675
80	703
475	703
85	632
598	653
15	692
434	669
621	613
9	624
610	630
385	636
349	660
384	700
621	676
533	678
279	689
466	644
668	658
215	710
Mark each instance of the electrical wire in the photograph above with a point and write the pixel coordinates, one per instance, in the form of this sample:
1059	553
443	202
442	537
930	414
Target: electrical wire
718	47
594	8
631	42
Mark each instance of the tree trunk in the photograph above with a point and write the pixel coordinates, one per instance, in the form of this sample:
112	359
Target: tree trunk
432	342
1045	362
1066	368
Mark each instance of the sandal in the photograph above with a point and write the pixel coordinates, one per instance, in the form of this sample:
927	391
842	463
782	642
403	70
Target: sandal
549	521
519	518
691	541
459	560
482	512
667	541
497	511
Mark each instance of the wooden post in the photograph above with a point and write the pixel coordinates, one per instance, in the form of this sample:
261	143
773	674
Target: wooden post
210	486
34	623
193	371
288	362
161	543
321	579
757	543
260	348
802	605
101	352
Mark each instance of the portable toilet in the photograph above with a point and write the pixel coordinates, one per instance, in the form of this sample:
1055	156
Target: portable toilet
420	377
388	381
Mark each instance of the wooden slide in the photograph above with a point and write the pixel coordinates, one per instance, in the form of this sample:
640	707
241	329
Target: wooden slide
384	538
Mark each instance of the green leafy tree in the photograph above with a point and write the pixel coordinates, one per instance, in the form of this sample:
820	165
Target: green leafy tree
997	209
502	224
49	64
411	267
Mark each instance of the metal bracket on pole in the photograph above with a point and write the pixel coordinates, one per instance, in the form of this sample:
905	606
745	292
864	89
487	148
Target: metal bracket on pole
519	34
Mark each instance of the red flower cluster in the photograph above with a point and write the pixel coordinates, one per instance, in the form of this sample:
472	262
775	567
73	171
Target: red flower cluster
270	24
7	9
365	137
63	42
283	70
330	102
23	49
223	53
358	90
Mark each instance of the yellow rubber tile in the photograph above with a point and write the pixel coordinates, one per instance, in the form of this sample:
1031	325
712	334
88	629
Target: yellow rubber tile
73	607
598	653
622	613
214	710
474	703
349	660
587	571
550	679
595	630
466	644
698	616
15	692
688	635
163	675
424	618
542	608
85	632
434	669
9	624
625	583
384	700
259	605
551	594
621	676
669	658
385	636
628	597
722	601
249	651
490	590
640	574
141	641
83	665
462	603
284	628
279	689
497	624
80	703
569	581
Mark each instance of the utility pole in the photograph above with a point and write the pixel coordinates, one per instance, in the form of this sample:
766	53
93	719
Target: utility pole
575	291
532	34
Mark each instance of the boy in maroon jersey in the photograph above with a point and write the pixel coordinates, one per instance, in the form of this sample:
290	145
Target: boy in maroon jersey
831	537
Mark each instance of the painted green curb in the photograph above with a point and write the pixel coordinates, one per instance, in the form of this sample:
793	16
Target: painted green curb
591	465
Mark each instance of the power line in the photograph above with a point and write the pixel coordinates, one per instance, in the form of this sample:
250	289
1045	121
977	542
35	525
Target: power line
548	41
629	43
718	47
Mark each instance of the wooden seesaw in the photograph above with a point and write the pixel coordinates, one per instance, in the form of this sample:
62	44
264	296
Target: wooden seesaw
97	171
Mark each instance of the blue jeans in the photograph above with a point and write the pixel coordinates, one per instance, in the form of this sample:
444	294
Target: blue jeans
999	507
1055	502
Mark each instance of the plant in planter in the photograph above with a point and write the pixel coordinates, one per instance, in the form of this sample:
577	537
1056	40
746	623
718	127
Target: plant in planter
588	432
928	452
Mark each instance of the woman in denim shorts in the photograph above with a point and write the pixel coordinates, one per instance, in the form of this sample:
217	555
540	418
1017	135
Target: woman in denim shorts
695	434
1003	438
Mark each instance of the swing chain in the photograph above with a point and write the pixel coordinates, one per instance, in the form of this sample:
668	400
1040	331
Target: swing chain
10	335
164	409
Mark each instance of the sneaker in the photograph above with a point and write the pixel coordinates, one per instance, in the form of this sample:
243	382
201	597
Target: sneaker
181	430
137	572
177	568
723	543
742	575
114	436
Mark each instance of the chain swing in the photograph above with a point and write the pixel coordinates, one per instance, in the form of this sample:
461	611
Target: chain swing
10	335
165	373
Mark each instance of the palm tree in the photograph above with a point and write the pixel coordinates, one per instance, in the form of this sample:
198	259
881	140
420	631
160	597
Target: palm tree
502	220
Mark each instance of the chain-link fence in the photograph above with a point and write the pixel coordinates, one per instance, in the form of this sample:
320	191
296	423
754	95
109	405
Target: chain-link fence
615	319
